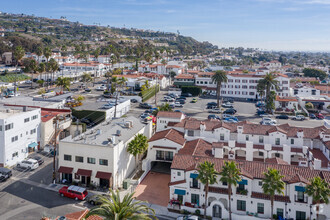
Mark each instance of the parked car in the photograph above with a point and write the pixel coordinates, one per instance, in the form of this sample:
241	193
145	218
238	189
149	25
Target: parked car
194	100
186	94
213	117
182	97
212	103
37	158
178	104
187	217
269	123
230	117
227	105
95	199
101	88
134	100
145	105
28	81
260	104
30	164
74	192
182	101
312	116
230	120
215	110
282	117
5	174
319	116
107	106
230	111
298	118
177	110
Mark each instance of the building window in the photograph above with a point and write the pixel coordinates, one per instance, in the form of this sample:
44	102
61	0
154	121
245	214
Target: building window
168	155
261	154
67	157
224	183
247	137
277	141
13	139
79	159
292	141
241	205
260	208
15	154
313	92
190	133
33	131
26	120
260	183
0	127
261	139
195	198
222	137
34	117
300	215
179	173
159	155
9	126
103	162
279	212
277	154
91	160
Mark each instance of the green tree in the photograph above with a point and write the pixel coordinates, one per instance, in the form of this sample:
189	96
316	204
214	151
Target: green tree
39	52
42	69
113	207
18	55
163	108
53	67
219	77
268	82
311	72
319	190
272	184
47	53
33	67
261	90
138	146
208	176
270	101
145	86
63	83
231	175
86	77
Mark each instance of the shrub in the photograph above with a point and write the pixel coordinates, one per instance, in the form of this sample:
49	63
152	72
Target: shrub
197	212
186	212
148	93
309	105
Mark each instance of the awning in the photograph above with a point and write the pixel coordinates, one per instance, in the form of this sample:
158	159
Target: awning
67	170
243	182
300	188
180	192
83	172
193	175
33	145
103	175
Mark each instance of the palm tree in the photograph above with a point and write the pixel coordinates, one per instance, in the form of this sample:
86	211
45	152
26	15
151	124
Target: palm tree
108	75
18	55
261	90
33	67
119	82
42	69
268	82
230	174
47	54
138	146
53	67
113	207
163	108
63	83
208	176
39	52
86	77
219	77
319	190
272	184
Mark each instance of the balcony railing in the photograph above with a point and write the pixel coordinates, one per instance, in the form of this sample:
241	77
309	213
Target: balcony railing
164	158
241	191
301	200
195	186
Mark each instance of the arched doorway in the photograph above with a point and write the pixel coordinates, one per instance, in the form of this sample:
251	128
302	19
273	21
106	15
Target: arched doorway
216	211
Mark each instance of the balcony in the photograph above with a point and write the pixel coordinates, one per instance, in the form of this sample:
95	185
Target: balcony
164	158
301	200
194	185
240	191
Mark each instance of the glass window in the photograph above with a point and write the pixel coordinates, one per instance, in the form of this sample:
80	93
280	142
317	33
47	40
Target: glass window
277	141
247	137
261	153
260	183
179	173
224	183
292	141
67	157
26	120
190	133
241	205
279	212
195	198
300	215
79	159
300	196
261	139
222	137
260	208
168	156
91	160
103	162
277	154
159	155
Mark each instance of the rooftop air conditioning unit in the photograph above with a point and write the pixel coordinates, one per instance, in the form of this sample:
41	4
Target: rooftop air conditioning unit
118	132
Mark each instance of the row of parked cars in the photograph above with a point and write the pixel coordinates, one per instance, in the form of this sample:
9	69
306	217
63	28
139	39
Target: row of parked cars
212	108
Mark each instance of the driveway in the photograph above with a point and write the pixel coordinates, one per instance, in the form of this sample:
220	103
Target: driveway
154	189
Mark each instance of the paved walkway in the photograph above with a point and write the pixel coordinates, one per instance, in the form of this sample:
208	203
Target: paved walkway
154	189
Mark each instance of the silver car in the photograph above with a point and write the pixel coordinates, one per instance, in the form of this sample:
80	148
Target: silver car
28	164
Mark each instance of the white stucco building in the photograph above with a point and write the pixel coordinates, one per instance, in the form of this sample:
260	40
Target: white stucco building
100	156
19	133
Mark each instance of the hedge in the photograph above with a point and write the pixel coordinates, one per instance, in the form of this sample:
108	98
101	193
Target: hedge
194	90
94	116
10	77
147	94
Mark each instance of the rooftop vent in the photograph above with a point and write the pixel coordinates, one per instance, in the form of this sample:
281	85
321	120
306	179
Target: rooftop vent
118	132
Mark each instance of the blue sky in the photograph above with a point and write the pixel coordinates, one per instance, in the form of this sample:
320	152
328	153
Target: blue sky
266	24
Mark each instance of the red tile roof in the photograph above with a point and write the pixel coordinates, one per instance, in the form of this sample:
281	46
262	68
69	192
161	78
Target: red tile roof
319	155
176	182
170	134
286	99
81	215
197	147
276	160
184	76
169	114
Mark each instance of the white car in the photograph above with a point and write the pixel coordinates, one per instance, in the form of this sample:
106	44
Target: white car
187	217
268	121
28	164
227	105
101	88
178	104
28	81
215	110
299	118
107	106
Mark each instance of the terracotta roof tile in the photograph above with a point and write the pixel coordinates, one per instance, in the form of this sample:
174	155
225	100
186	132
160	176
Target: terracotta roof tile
276	160
176	182
170	134
170	114
197	147
319	155
298	179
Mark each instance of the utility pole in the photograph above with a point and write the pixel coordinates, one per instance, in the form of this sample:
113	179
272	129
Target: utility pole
55	151
156	89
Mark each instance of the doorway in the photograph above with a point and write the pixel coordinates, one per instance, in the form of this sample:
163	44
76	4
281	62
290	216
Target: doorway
216	211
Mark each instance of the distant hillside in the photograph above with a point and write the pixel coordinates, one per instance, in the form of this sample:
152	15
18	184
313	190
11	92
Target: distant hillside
32	32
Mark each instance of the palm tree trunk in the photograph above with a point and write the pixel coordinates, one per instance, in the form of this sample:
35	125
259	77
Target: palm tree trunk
15	87
317	211
32	81
271	206
116	102
206	192
218	95
229	201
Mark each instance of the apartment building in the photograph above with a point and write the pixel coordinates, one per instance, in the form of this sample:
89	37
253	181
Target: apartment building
241	85
19	133
99	156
